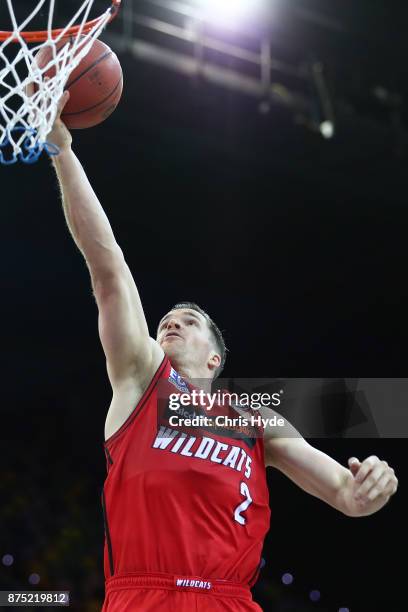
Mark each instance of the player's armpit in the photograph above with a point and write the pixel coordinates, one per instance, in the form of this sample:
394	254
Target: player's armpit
129	350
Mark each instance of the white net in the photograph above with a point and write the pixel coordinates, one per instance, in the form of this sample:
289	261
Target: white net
29	94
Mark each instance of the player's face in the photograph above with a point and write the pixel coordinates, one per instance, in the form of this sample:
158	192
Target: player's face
184	336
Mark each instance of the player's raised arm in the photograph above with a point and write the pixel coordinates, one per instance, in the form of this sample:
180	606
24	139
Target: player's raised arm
131	354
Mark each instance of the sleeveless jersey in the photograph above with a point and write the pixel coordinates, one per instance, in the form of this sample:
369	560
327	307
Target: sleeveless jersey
178	504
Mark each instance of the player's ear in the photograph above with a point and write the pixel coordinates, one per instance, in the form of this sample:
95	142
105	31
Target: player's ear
214	361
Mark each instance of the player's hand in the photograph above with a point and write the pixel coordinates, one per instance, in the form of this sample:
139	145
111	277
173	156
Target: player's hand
374	482
60	136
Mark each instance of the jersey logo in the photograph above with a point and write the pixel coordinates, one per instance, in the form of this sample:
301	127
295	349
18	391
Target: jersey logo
178	382
190	583
203	447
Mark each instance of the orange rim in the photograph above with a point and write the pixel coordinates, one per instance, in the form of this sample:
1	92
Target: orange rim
42	35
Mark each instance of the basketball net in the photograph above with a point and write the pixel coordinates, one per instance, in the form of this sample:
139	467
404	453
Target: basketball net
29	95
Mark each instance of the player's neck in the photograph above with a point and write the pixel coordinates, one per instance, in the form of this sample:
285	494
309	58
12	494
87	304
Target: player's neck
194	377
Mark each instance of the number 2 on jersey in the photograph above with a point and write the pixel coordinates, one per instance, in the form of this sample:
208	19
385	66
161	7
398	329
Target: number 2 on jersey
244	490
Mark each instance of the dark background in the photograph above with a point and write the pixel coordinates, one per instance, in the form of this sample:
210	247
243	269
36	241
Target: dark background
295	245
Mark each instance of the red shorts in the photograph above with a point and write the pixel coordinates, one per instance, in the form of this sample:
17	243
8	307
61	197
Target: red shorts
168	593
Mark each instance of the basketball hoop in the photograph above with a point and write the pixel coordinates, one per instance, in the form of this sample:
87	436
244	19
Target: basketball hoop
29	94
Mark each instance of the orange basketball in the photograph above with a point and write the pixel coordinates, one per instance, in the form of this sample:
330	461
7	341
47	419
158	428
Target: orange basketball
95	86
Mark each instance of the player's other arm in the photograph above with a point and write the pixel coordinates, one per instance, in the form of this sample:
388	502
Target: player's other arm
132	356
361	490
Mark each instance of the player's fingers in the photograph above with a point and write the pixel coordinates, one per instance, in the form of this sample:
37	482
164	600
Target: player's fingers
366	467
354	465
29	89
379	487
385	488
371	480
62	102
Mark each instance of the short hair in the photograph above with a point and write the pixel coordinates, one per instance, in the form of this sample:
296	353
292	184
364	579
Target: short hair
214	329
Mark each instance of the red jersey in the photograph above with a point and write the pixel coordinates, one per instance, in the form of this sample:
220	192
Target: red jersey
179	504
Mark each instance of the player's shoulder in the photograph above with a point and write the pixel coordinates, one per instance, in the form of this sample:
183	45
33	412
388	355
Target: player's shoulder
156	364
157	354
144	370
276	426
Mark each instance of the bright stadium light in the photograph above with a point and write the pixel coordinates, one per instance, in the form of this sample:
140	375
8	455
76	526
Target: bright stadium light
327	129
227	12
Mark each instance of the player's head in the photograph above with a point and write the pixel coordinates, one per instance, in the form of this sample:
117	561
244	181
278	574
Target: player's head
189	336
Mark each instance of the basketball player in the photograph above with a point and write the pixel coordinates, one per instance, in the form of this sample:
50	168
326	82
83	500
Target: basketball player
185	517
